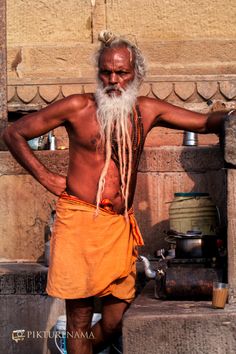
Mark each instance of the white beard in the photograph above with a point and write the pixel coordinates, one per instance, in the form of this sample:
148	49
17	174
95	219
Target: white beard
115	110
113	115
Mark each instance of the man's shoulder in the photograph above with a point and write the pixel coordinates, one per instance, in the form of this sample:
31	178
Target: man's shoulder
79	101
149	105
144	100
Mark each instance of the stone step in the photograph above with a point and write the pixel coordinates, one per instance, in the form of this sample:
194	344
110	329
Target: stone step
23	279
154	326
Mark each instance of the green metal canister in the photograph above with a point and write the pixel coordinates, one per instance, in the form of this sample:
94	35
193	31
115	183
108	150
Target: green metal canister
193	211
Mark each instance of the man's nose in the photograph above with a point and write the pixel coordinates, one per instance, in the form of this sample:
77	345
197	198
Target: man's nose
113	79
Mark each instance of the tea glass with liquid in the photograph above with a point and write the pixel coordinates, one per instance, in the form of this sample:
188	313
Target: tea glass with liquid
220	295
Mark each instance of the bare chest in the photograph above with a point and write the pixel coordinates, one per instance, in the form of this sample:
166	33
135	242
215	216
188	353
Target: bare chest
84	132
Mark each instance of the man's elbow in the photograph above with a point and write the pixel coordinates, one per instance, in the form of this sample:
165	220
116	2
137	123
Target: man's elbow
9	136
5	136
215	122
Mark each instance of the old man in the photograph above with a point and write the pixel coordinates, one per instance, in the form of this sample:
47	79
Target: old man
93	250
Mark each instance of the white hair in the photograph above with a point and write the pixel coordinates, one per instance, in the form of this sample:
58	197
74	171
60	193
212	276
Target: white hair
110	40
113	116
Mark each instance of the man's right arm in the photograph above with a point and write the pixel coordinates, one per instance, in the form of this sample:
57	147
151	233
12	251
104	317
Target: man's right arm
34	125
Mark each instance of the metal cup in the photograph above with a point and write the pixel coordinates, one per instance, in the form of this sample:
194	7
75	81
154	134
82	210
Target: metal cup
190	139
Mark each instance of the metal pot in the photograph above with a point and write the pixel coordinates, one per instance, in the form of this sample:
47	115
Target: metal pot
195	245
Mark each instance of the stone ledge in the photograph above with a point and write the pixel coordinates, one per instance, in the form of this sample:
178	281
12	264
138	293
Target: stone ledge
171	327
154	159
56	161
179	158
23	279
28	94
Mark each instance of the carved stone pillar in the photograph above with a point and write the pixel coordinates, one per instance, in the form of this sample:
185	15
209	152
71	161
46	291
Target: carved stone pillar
230	158
3	70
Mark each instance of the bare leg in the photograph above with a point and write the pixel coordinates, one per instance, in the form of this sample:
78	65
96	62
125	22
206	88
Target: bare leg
110	325
79	315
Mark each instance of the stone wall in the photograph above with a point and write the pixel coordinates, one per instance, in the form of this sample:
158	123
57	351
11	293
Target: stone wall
189	46
3	68
230	158
56	38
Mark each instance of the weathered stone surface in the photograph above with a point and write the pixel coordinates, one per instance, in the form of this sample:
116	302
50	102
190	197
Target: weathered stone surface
171	137
57	161
54	22
68	90
144	89
30	313
151	20
154	159
162	89
49	93
22	279
231	215
207	89
184	89
198	159
25	207
25	211
11	91
90	88
3	67
232	259
230	139
190	57
98	18
231	195
136	15
52	61
172	327
228	88
181	50
26	93
155	191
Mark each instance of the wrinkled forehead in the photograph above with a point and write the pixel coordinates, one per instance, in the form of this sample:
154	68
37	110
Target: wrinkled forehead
117	54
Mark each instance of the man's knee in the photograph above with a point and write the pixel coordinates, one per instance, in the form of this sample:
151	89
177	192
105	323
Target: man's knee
79	313
112	315
112	324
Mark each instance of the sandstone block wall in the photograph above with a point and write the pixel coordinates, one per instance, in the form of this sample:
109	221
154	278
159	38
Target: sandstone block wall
25	210
3	67
177	37
53	43
230	158
166	170
190	51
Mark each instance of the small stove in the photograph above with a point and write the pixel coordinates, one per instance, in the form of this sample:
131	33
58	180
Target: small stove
191	267
187	271
187	278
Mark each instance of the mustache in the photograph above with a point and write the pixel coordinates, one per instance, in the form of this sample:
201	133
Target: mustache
113	87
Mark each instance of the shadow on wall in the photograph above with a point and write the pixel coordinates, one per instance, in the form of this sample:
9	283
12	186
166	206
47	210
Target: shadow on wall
188	170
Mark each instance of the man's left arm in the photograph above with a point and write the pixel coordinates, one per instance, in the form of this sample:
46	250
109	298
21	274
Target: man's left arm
167	115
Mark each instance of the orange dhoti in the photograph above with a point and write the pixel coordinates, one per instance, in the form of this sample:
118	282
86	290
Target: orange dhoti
92	255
